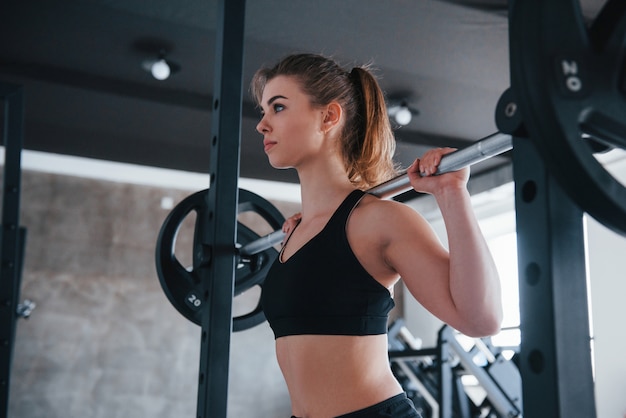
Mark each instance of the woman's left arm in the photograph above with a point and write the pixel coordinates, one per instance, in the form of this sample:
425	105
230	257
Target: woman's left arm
474	280
463	285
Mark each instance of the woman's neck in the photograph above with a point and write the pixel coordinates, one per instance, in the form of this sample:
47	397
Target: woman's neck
323	187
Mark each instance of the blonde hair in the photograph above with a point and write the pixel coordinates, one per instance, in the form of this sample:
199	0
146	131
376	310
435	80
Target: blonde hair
367	140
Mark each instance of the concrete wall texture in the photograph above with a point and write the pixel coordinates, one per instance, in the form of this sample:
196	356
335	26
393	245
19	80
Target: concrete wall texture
104	341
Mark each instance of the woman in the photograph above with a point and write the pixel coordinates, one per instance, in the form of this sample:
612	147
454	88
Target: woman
328	295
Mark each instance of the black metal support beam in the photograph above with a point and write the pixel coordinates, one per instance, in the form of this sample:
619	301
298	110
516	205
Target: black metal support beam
445	382
555	354
11	235
218	233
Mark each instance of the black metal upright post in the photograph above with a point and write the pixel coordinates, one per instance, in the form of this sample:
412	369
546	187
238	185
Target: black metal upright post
218	233
11	235
445	382
555	352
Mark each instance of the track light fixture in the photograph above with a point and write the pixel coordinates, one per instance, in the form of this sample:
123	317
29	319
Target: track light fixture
400	112
160	68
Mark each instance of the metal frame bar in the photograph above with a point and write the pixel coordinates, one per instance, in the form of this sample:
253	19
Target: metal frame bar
219	231
496	396
445	397
12	237
421	388
555	351
402	356
480	150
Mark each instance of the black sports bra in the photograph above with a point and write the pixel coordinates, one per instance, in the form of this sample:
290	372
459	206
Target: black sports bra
323	289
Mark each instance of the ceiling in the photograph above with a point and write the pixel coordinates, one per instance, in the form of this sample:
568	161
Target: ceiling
86	93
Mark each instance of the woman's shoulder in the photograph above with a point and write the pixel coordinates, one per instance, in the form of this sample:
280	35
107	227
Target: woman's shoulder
387	215
374	205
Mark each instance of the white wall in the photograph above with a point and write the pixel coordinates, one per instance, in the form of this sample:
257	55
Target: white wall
607	277
607	264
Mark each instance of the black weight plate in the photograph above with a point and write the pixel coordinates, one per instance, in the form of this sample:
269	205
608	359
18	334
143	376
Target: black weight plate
182	286
261	262
250	319
251	202
568	81
252	272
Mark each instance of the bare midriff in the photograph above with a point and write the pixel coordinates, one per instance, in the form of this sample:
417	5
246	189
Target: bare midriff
331	375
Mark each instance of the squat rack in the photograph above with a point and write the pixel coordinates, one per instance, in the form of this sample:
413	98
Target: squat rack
552	271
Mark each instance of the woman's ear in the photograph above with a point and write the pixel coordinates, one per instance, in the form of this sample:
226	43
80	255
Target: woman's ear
332	116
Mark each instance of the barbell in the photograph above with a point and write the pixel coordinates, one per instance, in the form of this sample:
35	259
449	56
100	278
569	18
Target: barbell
481	150
255	254
568	95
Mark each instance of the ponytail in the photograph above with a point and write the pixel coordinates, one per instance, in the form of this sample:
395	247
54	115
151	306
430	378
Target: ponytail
369	143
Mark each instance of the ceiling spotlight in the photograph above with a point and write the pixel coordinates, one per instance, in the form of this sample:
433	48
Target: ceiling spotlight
160	68
401	113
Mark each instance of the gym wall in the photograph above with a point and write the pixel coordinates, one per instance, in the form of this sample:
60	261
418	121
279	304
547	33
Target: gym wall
103	340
